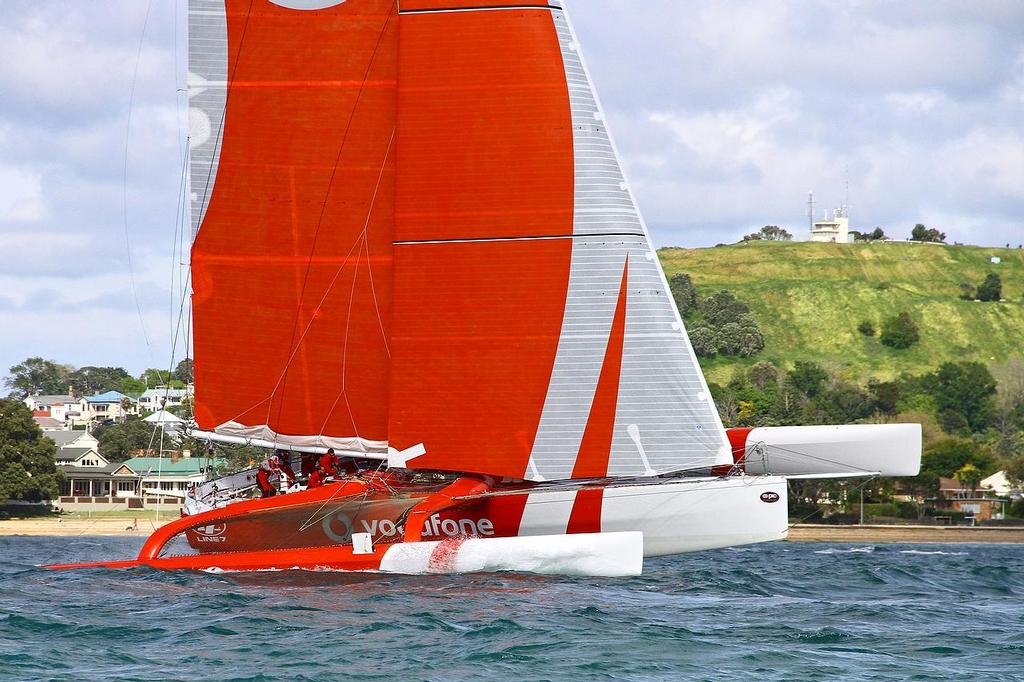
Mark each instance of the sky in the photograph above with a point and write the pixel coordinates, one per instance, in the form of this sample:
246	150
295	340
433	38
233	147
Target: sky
726	114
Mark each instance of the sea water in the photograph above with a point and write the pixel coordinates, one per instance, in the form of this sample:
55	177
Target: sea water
786	611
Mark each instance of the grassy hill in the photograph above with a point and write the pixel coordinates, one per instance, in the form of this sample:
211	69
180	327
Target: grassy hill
808	299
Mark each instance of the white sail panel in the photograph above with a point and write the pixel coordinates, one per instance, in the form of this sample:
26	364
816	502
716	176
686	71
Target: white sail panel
665	419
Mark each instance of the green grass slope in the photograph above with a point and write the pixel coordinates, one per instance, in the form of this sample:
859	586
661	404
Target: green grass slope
809	298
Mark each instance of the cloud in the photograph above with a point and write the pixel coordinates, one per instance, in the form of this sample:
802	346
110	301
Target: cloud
726	114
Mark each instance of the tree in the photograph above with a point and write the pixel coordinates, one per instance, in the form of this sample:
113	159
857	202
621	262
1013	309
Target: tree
770	233
92	380
807	377
949	455
877	234
119	442
722	307
900	332
683	292
920	233
866	328
37	376
887	395
966	389
133	387
969	476
183	371
1014	471
763	374
155	377
27	468
704	341
991	289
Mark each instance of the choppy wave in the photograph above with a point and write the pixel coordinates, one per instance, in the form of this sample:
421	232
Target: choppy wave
788	611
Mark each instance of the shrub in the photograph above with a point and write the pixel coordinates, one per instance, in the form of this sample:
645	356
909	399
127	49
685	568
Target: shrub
866	328
807	377
900	332
722	307
683	292
704	341
991	289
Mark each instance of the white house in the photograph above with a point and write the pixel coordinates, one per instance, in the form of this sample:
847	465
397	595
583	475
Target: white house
835	228
161	397
58	407
998	484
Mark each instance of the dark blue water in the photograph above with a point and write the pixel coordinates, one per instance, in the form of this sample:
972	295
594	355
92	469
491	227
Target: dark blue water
781	611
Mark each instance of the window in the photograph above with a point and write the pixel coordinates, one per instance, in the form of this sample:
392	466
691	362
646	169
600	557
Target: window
166	485
125	486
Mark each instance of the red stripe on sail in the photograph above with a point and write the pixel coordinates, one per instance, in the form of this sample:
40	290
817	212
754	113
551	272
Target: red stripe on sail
485	152
485	128
475	331
292	264
586	512
596	445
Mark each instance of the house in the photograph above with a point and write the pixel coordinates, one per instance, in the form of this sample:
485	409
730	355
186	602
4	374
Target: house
47	423
72	439
999	485
834	228
975	503
108	405
169	475
92	483
169	422
59	407
154	399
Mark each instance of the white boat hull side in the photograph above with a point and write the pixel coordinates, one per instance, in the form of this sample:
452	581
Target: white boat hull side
593	554
691	515
850	449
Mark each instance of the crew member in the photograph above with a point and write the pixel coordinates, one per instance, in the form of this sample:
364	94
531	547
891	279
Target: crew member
328	464
269	468
316	479
309	461
275	466
287	473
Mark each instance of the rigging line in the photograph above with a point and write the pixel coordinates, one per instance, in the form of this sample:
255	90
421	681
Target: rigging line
348	316
334	172
178	229
809	456
373	293
366	244
295	350
124	180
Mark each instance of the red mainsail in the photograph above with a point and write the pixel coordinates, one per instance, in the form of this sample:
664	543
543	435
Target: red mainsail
292	262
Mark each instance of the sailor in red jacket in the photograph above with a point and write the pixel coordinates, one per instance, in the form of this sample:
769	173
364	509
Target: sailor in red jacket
328	464
275	466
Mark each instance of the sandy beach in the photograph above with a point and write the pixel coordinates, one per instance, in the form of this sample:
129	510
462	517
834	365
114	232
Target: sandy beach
55	527
897	533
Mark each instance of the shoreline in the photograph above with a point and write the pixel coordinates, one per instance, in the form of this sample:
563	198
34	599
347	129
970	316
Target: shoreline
59	527
907	534
122	527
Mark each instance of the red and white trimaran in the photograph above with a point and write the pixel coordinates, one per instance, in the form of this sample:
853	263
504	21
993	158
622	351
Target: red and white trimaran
414	243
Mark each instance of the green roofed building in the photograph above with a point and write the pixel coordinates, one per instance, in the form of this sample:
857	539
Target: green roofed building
164	475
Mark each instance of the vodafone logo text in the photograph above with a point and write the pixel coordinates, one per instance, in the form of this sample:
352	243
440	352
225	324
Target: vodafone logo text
339	527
